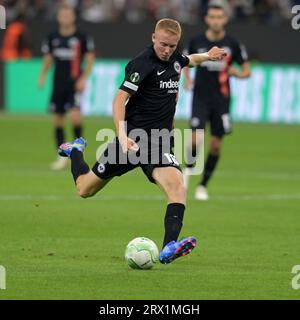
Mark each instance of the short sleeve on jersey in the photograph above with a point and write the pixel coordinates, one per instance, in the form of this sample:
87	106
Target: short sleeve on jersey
46	46
88	44
135	72
240	55
185	61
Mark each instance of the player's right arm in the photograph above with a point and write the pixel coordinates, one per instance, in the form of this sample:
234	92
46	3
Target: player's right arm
214	54
195	59
119	105
47	62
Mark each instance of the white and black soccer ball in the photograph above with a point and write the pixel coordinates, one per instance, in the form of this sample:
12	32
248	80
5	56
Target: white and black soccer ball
141	253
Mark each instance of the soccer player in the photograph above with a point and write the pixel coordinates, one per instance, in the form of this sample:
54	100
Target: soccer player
146	101
211	96
67	48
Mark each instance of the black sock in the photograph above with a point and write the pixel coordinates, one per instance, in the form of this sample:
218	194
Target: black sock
191	156
78	165
77	130
59	136
173	221
209	168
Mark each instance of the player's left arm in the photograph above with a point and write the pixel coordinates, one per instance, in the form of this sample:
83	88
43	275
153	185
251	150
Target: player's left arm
89	62
242	73
119	111
89	58
240	56
213	54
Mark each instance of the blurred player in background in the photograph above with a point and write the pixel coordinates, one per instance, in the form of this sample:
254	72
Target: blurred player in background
67	48
147	101
211	95
16	41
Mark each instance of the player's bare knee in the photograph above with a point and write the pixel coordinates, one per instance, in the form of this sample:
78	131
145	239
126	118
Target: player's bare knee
83	191
181	194
177	193
83	194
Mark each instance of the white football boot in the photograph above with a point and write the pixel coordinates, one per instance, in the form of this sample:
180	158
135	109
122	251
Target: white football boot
201	193
60	164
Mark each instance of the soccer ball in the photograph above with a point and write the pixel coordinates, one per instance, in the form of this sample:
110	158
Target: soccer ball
141	253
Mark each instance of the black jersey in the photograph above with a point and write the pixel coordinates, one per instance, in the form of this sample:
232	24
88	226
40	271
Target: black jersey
68	53
212	78
154	86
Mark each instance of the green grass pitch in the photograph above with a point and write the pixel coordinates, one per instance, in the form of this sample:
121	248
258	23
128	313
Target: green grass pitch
55	245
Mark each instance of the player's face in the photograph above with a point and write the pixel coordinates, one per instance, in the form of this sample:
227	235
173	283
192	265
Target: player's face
164	44
66	17
216	19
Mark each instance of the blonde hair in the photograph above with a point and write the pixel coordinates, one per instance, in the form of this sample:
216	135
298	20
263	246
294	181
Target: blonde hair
169	25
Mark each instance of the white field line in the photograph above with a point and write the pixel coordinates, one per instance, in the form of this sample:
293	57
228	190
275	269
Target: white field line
252	197
260	175
271	175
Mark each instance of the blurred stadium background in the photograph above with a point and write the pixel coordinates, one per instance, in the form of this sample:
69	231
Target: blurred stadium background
248	233
121	28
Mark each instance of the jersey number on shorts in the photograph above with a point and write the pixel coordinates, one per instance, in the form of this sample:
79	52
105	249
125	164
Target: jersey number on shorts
171	158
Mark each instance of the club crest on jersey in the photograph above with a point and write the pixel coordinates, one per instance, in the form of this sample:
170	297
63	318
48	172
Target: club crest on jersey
101	168
72	42
177	66
135	77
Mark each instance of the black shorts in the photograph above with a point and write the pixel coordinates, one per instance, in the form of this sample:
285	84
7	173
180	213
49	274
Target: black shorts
113	162
216	112
64	98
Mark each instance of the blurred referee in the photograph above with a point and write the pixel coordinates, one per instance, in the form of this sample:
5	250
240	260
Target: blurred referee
211	96
67	48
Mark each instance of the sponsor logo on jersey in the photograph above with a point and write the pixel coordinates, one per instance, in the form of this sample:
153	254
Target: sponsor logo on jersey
169	84
64	53
218	66
202	50
214	65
